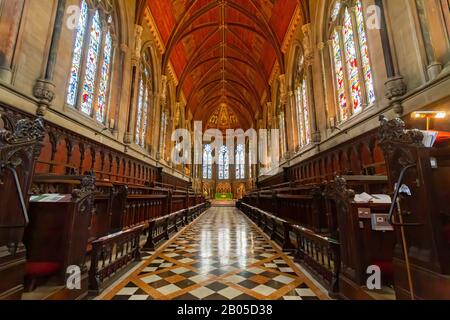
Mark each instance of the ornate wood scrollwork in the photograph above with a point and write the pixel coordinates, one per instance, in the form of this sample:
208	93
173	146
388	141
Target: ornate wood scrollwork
20	145
24	135
87	187
339	192
393	136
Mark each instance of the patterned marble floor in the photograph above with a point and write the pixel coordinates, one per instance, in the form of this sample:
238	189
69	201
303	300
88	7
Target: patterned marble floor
222	256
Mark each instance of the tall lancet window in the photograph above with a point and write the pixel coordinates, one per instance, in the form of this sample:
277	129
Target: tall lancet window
302	103
207	162
224	163
90	73
144	100
350	55
163	133
240	162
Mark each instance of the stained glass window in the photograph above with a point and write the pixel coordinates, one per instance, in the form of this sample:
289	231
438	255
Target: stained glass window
77	55
139	114
104	80
350	55
224	163
90	73
302	105
364	49
336	9
162	135
305	106
340	77
240	162
88	90
282	127
207	162
144	100
352	62
250	163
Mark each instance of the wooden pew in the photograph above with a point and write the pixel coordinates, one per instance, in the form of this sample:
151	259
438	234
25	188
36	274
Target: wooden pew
276	228
295	203
361	245
58	234
111	255
303	205
144	205
20	145
100	224
321	255
423	219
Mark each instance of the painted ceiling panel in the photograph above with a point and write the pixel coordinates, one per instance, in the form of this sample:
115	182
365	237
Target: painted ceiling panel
223	51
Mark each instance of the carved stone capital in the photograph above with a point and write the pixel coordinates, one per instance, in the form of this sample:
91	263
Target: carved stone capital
127	138
321	46
316	137
307	44
163	89
395	89
283	91
44	91
124	48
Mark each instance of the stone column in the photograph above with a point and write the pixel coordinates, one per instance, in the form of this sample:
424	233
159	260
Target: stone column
425	12
44	89
395	86
293	125
123	63
309	59
135	60
326	88
10	19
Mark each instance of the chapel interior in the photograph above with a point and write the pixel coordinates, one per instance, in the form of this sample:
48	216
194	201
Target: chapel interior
336	185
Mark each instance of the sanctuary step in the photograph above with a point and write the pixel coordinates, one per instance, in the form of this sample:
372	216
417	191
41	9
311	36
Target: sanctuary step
223	203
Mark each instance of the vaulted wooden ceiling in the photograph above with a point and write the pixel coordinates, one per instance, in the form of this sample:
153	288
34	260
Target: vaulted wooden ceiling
223	51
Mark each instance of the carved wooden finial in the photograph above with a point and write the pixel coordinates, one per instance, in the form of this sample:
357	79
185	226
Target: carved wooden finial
25	134
87	186
394	131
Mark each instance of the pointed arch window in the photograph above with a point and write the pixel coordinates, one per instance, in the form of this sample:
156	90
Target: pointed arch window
302	103
90	73
163	132
240	162
207	162
144	100
224	163
350	56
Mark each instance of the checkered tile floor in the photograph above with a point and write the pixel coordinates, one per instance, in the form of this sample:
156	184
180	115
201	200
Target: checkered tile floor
222	256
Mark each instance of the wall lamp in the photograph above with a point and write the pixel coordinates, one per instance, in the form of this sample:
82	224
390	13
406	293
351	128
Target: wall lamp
428	115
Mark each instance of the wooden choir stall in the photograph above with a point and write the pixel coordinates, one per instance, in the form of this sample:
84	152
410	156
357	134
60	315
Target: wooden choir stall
69	203
20	145
421	211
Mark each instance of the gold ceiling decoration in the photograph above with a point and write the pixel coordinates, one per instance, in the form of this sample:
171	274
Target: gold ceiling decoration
223	118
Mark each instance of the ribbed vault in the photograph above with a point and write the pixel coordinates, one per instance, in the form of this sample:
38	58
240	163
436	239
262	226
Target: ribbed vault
223	51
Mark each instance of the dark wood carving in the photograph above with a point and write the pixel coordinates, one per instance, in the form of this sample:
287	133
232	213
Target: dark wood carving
20	145
425	214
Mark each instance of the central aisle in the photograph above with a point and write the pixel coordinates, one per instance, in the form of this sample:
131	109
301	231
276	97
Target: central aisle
222	256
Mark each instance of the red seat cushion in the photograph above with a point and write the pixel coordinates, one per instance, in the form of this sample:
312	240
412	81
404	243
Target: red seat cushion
41	269
387	270
447	232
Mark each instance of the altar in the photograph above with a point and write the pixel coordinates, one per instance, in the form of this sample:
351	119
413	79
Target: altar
224	196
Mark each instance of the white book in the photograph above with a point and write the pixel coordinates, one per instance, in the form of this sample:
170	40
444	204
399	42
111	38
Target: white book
381	198
372	198
429	138
363	198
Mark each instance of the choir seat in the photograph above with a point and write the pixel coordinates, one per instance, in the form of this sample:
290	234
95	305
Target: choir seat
39	271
